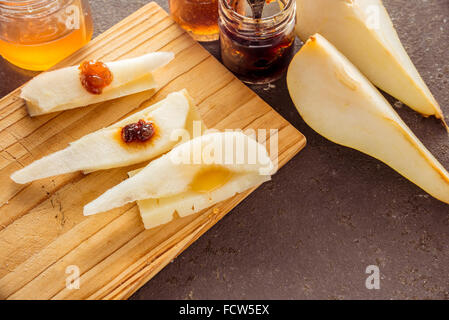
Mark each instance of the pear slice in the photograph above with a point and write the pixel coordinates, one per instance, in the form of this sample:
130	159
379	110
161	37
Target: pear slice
104	149
62	89
363	31
192	176
339	103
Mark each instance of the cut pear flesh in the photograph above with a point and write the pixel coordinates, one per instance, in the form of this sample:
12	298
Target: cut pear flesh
104	149
62	89
339	103
363	31
170	183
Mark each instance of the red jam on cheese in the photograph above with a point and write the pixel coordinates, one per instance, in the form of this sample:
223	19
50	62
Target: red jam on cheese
95	76
141	131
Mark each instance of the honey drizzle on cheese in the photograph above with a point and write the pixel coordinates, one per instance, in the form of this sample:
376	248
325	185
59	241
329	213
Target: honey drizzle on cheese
210	179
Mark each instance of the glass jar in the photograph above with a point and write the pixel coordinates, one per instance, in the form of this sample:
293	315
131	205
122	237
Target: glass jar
198	17
257	50
36	34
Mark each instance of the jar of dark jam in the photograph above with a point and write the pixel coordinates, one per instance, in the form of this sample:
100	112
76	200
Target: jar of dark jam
257	48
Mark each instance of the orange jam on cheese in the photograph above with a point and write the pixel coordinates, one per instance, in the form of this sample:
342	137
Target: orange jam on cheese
95	76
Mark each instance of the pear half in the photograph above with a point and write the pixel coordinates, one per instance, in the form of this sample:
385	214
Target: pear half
339	103
61	89
191	177
363	31
104	149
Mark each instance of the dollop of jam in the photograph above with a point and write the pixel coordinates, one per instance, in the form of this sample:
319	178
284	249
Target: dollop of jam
95	76
141	131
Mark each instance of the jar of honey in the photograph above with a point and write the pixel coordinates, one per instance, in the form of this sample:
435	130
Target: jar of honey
257	38
198	17
36	34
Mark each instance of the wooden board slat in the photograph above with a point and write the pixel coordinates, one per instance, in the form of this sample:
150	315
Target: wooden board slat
42	229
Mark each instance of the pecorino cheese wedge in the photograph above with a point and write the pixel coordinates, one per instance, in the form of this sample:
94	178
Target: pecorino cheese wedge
120	144
156	212
193	176
62	89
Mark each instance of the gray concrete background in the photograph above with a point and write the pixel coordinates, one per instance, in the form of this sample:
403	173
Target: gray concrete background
331	211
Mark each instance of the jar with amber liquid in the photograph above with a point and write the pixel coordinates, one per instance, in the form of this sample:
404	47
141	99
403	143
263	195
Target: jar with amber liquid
198	17
37	34
257	46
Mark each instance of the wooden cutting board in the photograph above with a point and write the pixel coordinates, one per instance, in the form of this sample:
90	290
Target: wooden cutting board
42	228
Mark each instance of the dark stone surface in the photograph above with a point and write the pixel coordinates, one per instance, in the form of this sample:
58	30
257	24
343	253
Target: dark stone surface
331	211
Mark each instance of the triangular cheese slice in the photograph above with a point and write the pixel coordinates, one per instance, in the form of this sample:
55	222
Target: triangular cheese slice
191	177
61	89
104	149
155	212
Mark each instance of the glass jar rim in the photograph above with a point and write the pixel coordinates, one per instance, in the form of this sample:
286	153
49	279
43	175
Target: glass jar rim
30	7
249	20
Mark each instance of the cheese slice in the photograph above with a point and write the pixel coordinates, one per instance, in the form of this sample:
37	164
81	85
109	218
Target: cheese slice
104	149
156	212
185	180
62	89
